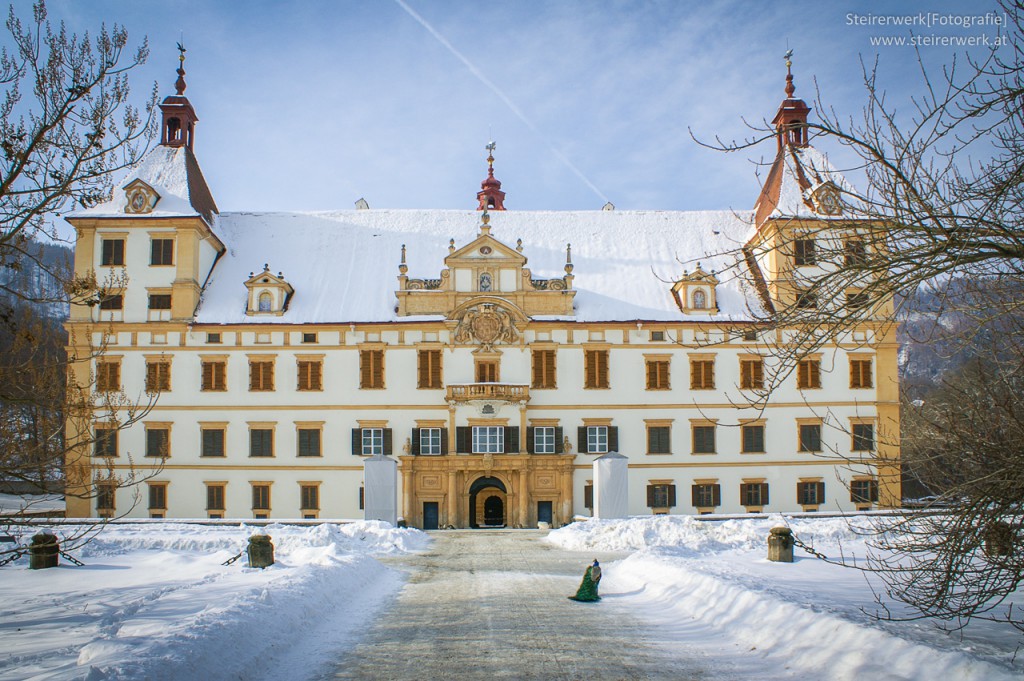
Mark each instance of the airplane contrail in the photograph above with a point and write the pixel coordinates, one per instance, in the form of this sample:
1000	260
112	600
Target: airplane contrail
502	96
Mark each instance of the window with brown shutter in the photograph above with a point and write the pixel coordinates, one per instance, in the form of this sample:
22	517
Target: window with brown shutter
544	369
661	496
157	496
162	252
657	374
588	496
158	376
702	374
310	497
105	495
113	252
596	369
310	374
261	497
215	497
371	369
429	374
261	375
112	302
808	375
706	495
864	491
487	371
108	376
810	493
804	252
659	440
159	301
752	437
860	373
751	374
855	252
754	494
214	375
105	443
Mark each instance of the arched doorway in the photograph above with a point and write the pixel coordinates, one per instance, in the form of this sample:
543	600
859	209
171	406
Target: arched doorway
488	501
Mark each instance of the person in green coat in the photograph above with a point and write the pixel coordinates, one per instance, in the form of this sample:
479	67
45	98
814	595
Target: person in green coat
587	593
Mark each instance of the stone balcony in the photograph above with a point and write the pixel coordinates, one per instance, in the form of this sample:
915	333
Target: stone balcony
494	392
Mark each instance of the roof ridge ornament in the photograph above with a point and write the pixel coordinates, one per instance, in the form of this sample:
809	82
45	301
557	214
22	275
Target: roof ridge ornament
179	85
791	119
490	194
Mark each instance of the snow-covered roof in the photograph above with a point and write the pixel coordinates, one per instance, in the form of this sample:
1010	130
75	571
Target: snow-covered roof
344	265
796	173
173	172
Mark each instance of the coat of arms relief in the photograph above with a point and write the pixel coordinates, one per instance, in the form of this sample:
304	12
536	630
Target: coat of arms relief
487	324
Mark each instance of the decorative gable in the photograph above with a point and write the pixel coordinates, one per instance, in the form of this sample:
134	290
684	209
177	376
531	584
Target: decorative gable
827	199
694	292
268	293
485	268
141	197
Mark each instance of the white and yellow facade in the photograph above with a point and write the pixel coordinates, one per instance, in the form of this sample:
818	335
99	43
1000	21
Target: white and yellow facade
492	358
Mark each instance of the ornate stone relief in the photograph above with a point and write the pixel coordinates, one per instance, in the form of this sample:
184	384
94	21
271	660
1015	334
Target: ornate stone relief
487	324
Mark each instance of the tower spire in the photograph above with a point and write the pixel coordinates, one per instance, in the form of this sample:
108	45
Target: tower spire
490	194
179	118
791	119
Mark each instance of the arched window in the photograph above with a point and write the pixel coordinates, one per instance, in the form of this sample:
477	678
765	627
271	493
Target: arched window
700	300
266	302
485	282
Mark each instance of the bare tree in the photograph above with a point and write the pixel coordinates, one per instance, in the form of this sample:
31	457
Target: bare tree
939	218
67	126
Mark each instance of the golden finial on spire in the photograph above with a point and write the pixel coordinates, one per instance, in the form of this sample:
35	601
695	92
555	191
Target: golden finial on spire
179	85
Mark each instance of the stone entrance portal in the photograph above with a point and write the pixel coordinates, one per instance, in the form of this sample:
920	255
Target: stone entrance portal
472	490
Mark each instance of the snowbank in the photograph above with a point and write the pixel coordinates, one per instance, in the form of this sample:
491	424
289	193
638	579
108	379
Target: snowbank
155	601
710	583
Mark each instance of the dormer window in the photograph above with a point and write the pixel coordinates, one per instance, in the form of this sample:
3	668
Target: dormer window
141	198
269	294
694	292
827	199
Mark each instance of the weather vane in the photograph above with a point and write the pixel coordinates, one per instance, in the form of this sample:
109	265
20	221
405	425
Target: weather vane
181	52
491	146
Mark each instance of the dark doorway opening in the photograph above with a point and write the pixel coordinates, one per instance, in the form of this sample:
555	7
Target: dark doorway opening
544	512
430	515
487	502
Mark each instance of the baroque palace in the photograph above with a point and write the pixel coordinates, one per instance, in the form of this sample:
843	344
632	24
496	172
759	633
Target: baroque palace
497	355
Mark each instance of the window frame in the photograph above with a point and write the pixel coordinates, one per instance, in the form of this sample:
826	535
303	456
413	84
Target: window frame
862	437
261	374
806	445
216	492
488	439
309	374
805	251
116	256
307	430
751	373
371	369
658	371
428	442
108	375
655	433
747	447
703	428
105	445
429	369
161	248
702	373
158	375
261	439
861	372
152	429
596	364
157	493
544	369
597	437
541	440
211	428
808	374
261	496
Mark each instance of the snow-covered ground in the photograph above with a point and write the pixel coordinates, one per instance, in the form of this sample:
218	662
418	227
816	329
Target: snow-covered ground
154	602
31	503
708	584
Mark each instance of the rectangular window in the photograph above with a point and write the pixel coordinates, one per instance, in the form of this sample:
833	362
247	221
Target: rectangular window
864	491
373	441
754	494
162	252
596	369
702	374
108	376
213	338
808	374
857	301
261	375
707	495
544	369
158	496
260	497
310	497
855	253
810	493
661	496
105	496
597	439
863	437
659	440
309	337
588	497
113	252
807	300
753	439
488	439
430	441
213	442
429	369
810	437
487	371
309	442
159	301
112	302
751	374
371	369
215	376
657	336
703	439
860	373
158	442
106	441
804	253
311	373
215	497
158	376
261	442
750	336
658	374
544	440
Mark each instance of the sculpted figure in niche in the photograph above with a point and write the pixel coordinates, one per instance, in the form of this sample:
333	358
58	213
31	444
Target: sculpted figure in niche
485	282
266	301
700	300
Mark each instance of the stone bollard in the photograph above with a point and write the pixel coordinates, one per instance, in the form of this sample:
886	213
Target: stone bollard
999	539
780	545
43	552
261	551
402	524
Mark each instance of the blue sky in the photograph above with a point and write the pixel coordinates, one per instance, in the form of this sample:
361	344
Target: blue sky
313	105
